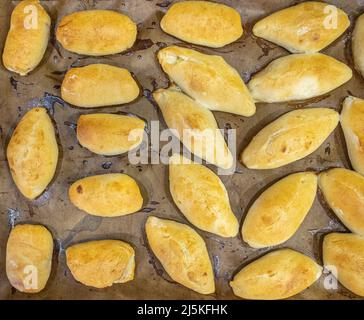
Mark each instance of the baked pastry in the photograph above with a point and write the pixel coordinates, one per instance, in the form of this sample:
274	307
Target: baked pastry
109	134
202	22
307	27
344	192
298	77
195	125
358	44
207	79
106	195
289	138
101	263
28	37
343	255
201	196
277	275
33	153
182	253
29	257
279	211
98	85
96	32
352	123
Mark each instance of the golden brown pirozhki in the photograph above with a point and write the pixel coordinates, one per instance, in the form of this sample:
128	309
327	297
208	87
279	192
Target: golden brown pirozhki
96	32
202	22
182	253
101	263
33	153
29	257
28	37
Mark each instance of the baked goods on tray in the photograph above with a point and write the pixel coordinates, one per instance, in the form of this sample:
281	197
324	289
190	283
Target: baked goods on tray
96	32
358	44
278	212
201	196
32	153
182	253
195	125
109	134
207	79
343	255
101	263
106	195
298	77
279	274
351	120
98	85
343	190
289	138
29	254
307	27
28	37
202	22
96	57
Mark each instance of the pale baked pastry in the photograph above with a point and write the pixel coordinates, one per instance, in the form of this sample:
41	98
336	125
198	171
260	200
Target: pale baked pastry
29	257
298	77
289	138
344	192
202	22
28	37
98	85
307	27
208	79
182	253
101	263
343	255
195	125
352	123
358	44
109	134
201	196
96	32
280	210
106	195
32	153
277	275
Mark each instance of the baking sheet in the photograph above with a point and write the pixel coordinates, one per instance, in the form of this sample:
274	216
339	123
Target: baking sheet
70	225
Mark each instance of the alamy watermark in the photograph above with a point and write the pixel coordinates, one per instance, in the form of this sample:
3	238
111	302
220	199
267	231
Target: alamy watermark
330	274
30	281
215	146
330	278
31	18
331	19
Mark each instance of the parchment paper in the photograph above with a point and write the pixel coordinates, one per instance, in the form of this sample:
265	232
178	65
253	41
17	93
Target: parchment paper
70	225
